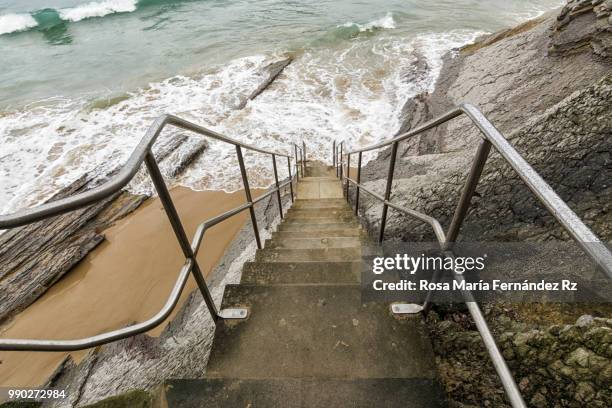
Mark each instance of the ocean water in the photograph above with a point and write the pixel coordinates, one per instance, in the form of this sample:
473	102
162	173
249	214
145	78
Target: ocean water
80	82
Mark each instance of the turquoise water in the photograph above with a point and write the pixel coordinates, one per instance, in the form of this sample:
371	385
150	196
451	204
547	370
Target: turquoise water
81	81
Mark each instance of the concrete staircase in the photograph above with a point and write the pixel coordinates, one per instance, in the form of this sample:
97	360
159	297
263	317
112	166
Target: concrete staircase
308	340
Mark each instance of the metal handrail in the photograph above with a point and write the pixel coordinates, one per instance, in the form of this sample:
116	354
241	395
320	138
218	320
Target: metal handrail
589	242
143	153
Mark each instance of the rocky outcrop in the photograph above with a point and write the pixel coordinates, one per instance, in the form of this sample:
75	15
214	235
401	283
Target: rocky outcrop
269	73
555	111
583	23
35	256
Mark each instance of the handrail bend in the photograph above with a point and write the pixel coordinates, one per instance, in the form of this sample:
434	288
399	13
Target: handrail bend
143	153
589	242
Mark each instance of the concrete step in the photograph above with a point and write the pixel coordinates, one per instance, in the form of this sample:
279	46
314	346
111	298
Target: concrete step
294	219
321	203
308	255
325	189
289	227
320	171
303	393
352	232
279	273
317	331
320	213
310	179
314	243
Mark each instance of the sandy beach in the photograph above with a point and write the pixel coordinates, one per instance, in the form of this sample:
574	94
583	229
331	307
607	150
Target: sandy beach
126	279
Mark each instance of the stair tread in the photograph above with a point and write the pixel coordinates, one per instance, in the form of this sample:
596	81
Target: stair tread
300	272
320	331
312	393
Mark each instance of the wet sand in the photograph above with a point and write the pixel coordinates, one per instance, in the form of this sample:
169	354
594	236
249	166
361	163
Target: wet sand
126	279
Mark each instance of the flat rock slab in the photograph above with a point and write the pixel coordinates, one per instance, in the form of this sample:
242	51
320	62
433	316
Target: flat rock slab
304	393
317	331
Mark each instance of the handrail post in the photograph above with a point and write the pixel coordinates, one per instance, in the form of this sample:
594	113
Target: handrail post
341	162
334	154
358	182
278	194
290	177
179	231
304	150
348	175
247	191
484	147
302	162
338	160
383	219
297	170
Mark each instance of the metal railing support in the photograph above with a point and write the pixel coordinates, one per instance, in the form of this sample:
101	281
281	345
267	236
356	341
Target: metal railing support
278	194
297	169
179	231
341	162
358	181
348	175
334	154
247	192
484	147
290	178
383	219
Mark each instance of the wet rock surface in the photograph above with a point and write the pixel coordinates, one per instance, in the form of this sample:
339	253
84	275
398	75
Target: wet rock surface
555	365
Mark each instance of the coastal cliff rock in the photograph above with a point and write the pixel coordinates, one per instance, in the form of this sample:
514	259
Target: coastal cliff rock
560	365
533	99
547	86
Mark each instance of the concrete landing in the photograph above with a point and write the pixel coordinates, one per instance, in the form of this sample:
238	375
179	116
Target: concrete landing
304	393
317	331
309	341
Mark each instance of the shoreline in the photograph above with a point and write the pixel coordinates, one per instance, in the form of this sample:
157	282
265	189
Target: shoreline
139	251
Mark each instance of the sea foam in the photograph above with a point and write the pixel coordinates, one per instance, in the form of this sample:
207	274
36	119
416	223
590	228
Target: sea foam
386	22
12	23
98	9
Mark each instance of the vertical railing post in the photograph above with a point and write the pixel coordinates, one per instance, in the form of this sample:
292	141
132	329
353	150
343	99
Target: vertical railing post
337	161
304	150
278	194
297	170
358	182
334	154
247	191
302	166
383	219
341	162
179	231
468	191
290	178
348	175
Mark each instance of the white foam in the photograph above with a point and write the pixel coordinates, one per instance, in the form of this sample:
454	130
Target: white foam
386	22
97	9
11	23
354	93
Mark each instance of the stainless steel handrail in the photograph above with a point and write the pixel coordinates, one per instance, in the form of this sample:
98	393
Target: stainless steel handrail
142	153
589	242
